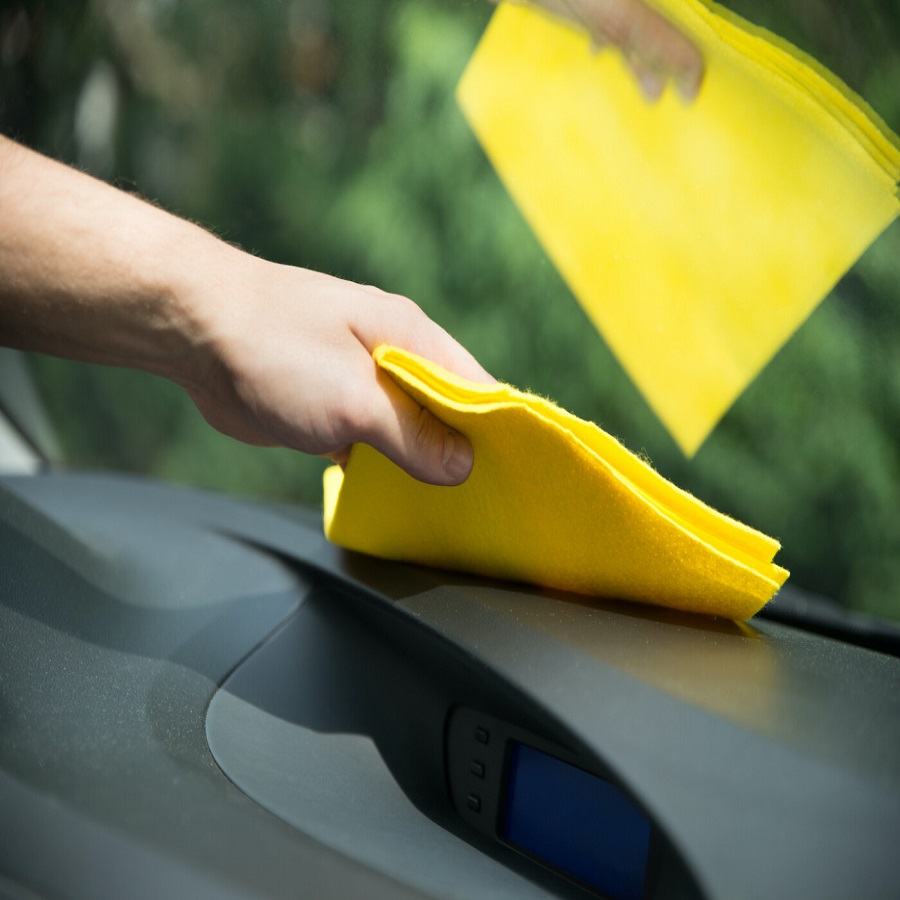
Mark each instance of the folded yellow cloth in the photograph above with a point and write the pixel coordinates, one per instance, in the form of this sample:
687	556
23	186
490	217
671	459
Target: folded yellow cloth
552	500
697	238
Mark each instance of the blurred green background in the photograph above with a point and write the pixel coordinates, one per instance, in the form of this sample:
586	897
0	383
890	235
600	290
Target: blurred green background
324	133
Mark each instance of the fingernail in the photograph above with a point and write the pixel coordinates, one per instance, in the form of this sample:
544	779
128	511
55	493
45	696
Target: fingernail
688	86
652	85
458	457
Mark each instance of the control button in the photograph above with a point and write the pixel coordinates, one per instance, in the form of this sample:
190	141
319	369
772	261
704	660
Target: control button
476	767
473	801
482	735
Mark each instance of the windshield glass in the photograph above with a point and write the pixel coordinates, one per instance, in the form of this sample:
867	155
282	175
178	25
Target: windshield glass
326	134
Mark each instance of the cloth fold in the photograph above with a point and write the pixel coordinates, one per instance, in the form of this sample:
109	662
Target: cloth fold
552	500
697	239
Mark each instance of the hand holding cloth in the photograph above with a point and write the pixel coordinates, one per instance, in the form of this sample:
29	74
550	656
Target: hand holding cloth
552	500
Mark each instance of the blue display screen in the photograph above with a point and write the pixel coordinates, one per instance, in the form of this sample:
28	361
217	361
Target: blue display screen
577	822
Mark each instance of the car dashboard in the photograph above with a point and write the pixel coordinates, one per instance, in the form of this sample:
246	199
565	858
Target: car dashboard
200	696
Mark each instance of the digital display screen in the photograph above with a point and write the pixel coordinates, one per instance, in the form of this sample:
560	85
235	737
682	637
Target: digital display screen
575	821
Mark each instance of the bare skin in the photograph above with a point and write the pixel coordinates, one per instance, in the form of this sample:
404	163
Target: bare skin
272	355
655	50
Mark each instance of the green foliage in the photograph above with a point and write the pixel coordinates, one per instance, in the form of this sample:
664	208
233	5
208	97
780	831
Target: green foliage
326	134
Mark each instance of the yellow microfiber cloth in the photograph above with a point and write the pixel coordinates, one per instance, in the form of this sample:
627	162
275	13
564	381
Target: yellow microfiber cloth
552	500
699	238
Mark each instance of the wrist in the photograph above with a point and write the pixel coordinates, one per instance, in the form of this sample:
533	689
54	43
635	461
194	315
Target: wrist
175	280
198	291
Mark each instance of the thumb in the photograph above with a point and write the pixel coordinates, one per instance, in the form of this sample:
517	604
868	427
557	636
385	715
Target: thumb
416	440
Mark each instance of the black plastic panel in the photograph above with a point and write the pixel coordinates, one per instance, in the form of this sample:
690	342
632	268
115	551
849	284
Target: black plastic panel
766	757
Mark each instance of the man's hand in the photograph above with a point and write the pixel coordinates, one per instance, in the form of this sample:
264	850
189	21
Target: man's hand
655	50
287	360
271	354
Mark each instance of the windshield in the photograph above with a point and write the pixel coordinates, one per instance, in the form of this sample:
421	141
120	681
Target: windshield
326	134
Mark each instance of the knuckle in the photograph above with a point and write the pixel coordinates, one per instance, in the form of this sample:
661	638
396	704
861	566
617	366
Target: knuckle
425	430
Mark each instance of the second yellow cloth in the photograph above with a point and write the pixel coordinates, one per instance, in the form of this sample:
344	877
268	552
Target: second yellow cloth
697	238
552	500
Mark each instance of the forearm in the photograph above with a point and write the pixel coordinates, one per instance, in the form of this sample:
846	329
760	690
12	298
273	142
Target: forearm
92	273
270	354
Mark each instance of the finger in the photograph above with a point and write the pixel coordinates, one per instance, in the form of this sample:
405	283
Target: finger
651	83
656	49
414	439
396	320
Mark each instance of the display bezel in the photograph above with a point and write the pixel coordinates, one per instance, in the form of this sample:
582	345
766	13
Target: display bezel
466	732
559	754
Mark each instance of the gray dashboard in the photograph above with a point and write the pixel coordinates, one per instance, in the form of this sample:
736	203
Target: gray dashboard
201	697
